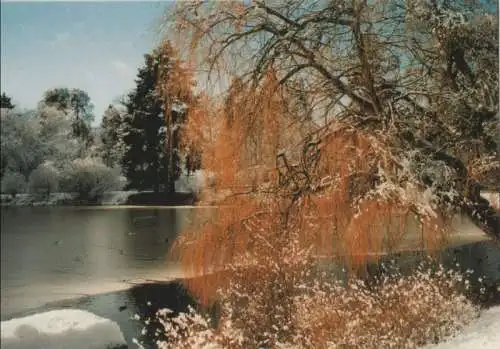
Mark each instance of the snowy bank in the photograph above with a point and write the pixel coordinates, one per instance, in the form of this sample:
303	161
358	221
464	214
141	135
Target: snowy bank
61	199
61	329
31	200
193	183
483	333
117	197
492	197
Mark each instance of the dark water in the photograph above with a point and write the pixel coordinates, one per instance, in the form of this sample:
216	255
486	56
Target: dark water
113	262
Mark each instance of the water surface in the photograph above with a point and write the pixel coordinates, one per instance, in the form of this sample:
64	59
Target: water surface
55	253
114	262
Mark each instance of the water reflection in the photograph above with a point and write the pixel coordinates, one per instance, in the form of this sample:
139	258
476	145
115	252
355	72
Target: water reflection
483	259
50	253
145	300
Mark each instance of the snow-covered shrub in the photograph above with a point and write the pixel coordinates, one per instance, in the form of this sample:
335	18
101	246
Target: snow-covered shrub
21	148
397	311
90	178
13	183
44	180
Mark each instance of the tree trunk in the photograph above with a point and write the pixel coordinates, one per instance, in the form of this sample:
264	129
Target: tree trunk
478	209
169	185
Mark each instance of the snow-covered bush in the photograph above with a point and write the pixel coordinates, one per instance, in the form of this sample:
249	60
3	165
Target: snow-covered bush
13	183
397	311
44	180
90	178
21	148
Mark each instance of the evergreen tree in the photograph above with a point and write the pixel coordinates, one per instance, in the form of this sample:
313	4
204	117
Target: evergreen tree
6	102
145	162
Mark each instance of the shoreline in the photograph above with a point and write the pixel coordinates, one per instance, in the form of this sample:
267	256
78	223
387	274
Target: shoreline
130	307
129	302
119	198
134	198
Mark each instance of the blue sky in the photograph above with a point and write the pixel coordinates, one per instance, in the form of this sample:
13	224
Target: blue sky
95	46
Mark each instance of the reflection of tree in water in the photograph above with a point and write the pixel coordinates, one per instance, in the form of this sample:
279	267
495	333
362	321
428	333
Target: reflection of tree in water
478	262
148	299
483	259
150	232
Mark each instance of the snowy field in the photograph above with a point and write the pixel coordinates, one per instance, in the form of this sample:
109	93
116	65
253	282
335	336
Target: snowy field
78	329
61	329
483	333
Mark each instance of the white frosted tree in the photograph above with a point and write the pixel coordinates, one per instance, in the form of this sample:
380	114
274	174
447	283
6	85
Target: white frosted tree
112	132
56	135
21	148
40	144
13	183
44	180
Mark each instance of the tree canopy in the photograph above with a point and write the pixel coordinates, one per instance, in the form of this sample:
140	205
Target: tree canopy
337	129
420	77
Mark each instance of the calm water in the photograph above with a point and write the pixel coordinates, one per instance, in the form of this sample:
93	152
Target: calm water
99	259
50	254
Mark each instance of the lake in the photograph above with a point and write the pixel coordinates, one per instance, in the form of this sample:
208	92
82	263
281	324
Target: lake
49	254
113	261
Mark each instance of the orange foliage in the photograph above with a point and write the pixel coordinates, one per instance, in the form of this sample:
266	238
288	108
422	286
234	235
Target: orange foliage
175	79
282	184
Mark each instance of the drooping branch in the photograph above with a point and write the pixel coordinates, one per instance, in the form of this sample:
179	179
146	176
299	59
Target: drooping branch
332	51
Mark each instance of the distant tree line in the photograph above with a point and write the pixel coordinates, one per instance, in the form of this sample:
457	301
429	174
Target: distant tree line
55	147
52	148
145	140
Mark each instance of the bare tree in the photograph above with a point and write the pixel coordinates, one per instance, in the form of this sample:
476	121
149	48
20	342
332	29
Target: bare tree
424	74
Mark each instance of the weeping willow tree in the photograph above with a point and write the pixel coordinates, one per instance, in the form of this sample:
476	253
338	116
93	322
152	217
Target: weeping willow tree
337	124
174	85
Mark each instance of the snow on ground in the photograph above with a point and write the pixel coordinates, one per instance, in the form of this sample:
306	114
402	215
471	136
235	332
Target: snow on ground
61	329
483	333
492	197
193	183
117	197
54	199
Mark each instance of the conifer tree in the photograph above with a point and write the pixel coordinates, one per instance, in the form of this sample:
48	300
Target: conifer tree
6	101
152	136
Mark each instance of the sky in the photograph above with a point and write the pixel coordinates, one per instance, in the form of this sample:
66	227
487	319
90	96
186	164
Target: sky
94	46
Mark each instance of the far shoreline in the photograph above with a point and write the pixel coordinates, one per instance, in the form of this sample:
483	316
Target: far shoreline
121	198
